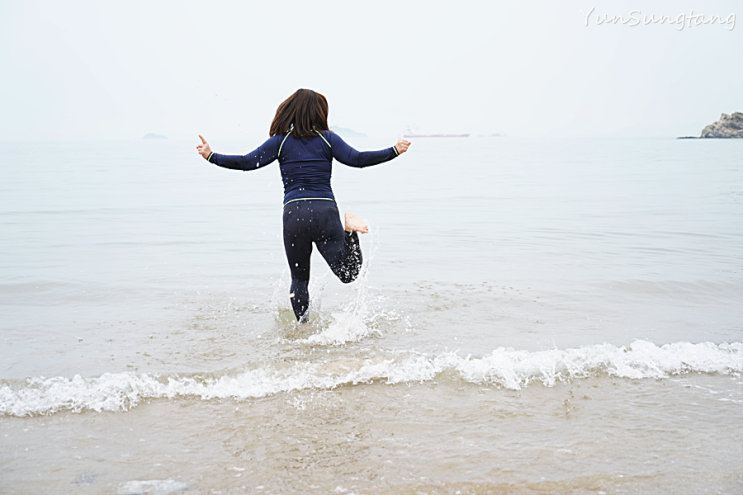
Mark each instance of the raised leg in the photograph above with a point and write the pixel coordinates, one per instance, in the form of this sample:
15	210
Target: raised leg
355	224
343	255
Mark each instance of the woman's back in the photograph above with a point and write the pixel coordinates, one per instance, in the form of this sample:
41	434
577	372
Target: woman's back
306	167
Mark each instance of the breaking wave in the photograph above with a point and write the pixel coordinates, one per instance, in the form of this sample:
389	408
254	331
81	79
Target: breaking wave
504	367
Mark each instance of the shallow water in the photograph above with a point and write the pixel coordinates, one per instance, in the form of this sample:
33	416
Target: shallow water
560	316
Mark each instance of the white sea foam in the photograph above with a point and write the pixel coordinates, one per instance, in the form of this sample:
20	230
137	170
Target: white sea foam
504	367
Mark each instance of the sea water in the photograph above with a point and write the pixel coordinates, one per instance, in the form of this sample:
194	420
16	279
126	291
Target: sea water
533	316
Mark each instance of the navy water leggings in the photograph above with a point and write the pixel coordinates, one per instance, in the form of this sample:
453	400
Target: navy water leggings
307	221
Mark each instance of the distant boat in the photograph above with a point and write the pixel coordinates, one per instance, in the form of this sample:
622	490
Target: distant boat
412	132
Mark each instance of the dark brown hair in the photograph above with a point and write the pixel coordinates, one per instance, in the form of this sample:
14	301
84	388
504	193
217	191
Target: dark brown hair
305	111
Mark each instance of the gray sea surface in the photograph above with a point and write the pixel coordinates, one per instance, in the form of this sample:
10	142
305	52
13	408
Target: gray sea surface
533	316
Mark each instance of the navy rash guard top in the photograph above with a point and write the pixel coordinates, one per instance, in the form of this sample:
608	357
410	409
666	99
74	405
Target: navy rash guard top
306	163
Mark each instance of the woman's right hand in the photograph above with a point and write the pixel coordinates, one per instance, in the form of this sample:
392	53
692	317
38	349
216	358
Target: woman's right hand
204	149
402	146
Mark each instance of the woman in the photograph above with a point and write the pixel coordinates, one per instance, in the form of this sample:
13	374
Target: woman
304	146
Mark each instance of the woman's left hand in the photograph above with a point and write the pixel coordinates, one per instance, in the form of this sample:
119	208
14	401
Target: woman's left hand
402	146
204	149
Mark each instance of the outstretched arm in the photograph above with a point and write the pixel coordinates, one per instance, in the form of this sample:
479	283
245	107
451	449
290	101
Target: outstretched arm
349	156
259	157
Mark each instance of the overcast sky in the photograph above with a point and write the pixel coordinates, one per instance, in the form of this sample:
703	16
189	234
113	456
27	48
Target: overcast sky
115	71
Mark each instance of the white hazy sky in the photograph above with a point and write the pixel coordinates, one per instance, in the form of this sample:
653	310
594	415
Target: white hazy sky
117	70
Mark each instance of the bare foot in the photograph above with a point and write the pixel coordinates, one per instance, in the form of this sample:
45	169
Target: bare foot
355	224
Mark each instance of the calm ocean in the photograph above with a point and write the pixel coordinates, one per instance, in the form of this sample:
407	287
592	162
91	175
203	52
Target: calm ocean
534	316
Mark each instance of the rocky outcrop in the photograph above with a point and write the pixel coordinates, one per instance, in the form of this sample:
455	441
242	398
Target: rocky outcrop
729	126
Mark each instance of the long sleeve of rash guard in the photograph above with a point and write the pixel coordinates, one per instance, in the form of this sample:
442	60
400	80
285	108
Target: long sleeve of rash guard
360	159
259	157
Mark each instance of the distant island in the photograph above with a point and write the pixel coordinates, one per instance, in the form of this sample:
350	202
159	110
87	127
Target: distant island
343	132
728	127
149	135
